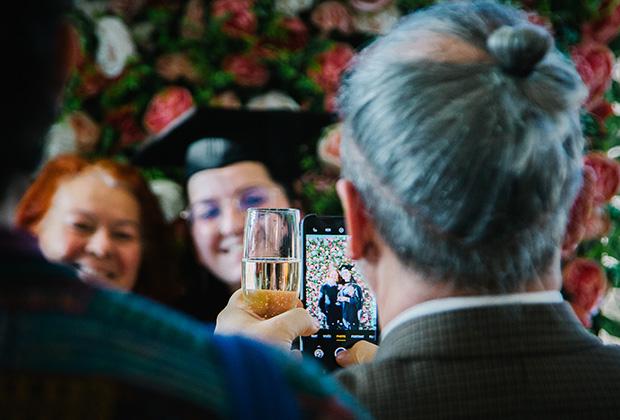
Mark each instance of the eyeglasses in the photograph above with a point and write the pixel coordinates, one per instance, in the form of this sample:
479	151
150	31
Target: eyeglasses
209	210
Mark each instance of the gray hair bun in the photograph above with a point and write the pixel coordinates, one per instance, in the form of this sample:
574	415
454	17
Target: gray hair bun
518	49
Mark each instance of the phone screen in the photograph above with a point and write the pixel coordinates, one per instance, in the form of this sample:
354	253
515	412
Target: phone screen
335	292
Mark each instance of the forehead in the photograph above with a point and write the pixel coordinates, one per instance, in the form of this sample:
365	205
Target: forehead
226	181
98	193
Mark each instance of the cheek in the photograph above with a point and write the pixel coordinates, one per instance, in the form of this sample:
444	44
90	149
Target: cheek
206	241
131	255
59	244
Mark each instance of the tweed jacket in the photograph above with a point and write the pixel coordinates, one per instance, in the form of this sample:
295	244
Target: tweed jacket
513	361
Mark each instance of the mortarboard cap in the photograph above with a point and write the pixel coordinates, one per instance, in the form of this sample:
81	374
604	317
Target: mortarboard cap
215	137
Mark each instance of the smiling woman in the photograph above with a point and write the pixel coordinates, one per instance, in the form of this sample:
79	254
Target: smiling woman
101	218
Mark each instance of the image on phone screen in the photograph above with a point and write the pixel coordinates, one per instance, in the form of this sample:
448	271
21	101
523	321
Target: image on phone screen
335	292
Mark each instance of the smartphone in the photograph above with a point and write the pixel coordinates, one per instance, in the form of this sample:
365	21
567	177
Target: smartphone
333	291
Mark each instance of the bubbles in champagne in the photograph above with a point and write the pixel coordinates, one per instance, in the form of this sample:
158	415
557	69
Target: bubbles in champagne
270	285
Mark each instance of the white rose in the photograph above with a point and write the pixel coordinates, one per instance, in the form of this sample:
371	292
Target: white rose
170	197
60	140
292	7
273	100
611	305
376	23
608	338
90	8
616	71
115	45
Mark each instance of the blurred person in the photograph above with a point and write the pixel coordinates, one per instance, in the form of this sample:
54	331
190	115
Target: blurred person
350	298
328	298
74	350
233	160
461	156
101	218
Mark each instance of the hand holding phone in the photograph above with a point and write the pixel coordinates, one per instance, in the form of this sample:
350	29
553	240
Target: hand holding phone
334	292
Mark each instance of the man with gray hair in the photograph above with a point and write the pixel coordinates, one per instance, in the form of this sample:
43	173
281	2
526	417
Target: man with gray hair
461	159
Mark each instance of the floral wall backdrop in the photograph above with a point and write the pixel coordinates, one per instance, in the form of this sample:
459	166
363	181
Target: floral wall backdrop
146	64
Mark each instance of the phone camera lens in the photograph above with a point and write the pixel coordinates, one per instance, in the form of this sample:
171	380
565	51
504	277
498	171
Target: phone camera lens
341	230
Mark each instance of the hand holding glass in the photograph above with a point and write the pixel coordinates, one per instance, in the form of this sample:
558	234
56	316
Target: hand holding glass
271	260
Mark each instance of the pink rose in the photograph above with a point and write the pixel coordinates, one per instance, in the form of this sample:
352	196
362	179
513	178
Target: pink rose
124	121
175	66
330	16
329	146
331	65
598	225
607	176
584	284
166	107
192	23
594	62
539	20
239	19
86	131
227	99
369	5
580	213
247	70
607	27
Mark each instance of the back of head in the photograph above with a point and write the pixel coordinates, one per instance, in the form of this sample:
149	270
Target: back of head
462	135
36	79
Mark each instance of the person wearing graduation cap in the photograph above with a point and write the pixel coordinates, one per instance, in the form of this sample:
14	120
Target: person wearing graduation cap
234	160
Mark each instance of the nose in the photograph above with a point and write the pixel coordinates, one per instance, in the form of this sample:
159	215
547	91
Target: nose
100	244
232	220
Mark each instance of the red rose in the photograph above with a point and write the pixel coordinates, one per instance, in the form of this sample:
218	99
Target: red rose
600	112
239	19
296	34
92	81
331	65
580	213
369	5
607	176
124	121
594	62
166	107
584	283
330	16
247	70
607	27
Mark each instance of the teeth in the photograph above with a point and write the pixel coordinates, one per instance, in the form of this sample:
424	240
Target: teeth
88	271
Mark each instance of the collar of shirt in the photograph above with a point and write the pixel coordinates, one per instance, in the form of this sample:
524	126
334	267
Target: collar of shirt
463	302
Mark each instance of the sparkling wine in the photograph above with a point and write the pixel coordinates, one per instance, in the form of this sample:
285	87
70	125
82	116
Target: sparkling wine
270	285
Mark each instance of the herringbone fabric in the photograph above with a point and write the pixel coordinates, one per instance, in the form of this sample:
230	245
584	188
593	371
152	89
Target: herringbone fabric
514	361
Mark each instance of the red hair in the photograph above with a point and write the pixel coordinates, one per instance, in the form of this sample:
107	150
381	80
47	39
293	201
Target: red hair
154	277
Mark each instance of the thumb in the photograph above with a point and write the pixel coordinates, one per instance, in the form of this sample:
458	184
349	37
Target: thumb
296	322
361	352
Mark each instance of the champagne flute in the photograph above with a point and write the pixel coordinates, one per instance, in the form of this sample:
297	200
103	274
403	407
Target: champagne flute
271	260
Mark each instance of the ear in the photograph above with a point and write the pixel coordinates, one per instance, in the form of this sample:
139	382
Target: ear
360	227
